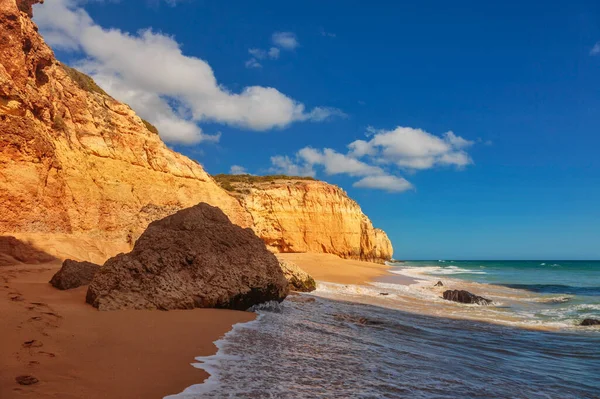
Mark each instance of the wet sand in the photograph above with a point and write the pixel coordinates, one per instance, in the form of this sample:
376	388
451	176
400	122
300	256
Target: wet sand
331	268
79	352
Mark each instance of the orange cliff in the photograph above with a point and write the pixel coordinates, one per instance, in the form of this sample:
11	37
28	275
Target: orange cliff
81	175
73	160
305	215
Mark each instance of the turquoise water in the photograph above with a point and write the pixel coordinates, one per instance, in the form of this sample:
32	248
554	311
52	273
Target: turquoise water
568	291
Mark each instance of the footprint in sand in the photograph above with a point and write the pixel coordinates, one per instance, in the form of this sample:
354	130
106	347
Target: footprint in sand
49	354
32	344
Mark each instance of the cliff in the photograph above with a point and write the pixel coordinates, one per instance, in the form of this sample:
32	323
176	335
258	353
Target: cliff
305	215
82	176
75	161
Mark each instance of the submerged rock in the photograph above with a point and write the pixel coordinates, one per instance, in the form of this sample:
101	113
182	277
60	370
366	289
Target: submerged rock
363	321
465	297
195	258
439	284
590	322
74	274
297	278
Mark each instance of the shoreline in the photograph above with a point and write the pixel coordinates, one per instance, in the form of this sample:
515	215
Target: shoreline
333	269
86	353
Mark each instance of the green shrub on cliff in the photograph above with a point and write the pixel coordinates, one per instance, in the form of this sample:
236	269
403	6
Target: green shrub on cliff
227	181
83	81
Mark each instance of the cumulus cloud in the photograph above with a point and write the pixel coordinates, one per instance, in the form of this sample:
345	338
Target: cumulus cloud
238	170
149	71
596	49
285	40
413	148
379	161
385	182
284	165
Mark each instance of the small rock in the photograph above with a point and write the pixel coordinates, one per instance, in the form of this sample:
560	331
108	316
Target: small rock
297	278
74	274
384	293
26	380
465	297
590	322
439	284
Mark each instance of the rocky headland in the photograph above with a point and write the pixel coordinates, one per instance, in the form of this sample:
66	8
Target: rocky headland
295	214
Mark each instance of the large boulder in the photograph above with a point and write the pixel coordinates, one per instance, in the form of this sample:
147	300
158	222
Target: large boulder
297	278
590	322
465	297
74	274
195	258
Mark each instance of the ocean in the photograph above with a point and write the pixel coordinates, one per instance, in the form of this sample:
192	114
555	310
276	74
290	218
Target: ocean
391	340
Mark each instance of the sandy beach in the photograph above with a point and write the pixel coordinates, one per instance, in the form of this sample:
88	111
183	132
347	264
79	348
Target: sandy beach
79	352
331	268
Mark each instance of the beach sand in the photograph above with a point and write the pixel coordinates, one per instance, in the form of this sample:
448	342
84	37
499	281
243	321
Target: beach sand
80	352
331	268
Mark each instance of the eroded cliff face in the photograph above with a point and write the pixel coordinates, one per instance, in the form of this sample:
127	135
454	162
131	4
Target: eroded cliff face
311	216
74	160
82	176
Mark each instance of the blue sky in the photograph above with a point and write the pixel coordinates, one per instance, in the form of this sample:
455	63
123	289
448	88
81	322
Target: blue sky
518	84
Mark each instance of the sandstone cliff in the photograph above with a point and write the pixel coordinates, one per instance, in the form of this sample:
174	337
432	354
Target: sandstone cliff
305	215
74	160
82	176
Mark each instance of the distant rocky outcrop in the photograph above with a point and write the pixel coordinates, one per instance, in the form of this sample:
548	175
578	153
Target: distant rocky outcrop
294	214
465	297
195	258
590	322
74	274
297	278
14	252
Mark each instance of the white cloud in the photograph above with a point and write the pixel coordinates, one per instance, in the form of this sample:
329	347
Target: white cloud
284	165
258	53
273	53
379	161
596	49
238	170
413	148
335	163
285	40
171	90
385	182
253	63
